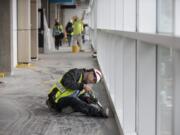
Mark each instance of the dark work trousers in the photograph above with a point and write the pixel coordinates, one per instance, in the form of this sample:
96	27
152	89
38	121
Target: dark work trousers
78	105
69	37
83	38
57	42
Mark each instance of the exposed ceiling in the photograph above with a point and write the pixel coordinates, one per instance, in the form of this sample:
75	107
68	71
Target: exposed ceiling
78	3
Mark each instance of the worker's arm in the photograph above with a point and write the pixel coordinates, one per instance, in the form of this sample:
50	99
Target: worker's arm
70	80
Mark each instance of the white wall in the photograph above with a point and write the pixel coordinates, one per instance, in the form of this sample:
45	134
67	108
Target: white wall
118	66
129	15
119	14
100	14
130	68
176	118
111	14
130	59
146	88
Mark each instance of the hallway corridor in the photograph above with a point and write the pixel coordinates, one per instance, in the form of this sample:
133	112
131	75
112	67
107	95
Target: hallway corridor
134	43
22	100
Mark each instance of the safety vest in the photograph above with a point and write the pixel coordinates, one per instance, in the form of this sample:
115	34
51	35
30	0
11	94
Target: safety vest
57	30
77	27
63	91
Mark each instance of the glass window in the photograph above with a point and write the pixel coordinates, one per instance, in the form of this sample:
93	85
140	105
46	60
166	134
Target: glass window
177	17
165	16
165	91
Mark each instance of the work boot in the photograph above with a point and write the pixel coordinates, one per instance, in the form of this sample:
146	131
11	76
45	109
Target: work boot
50	106
105	112
81	50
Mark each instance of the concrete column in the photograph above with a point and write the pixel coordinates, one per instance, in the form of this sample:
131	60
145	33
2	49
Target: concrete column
14	31
24	31
5	36
34	29
53	14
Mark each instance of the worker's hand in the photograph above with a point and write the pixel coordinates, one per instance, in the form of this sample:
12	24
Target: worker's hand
87	88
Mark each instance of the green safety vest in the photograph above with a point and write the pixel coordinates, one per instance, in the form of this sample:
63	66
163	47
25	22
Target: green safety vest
77	27
57	30
63	91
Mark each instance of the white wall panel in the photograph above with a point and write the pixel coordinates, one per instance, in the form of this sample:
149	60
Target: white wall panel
119	13
116	56
102	15
92	18
107	60
106	14
129	64
146	88
112	64
100	54
176	115
99	14
112	14
119	45
147	16
129	15
130	71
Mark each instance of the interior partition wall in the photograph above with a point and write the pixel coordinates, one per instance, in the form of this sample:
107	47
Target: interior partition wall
138	50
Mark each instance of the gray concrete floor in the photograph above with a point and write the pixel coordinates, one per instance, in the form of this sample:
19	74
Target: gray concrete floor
22	100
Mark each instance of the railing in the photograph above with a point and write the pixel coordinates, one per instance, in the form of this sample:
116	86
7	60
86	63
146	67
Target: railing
136	68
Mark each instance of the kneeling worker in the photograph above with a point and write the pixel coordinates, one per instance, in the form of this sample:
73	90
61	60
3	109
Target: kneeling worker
68	91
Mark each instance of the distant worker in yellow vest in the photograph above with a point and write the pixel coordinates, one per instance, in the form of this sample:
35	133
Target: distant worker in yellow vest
58	34
73	91
77	32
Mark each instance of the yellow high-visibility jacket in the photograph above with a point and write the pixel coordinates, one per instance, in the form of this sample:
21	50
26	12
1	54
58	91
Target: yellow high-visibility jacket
77	27
64	91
